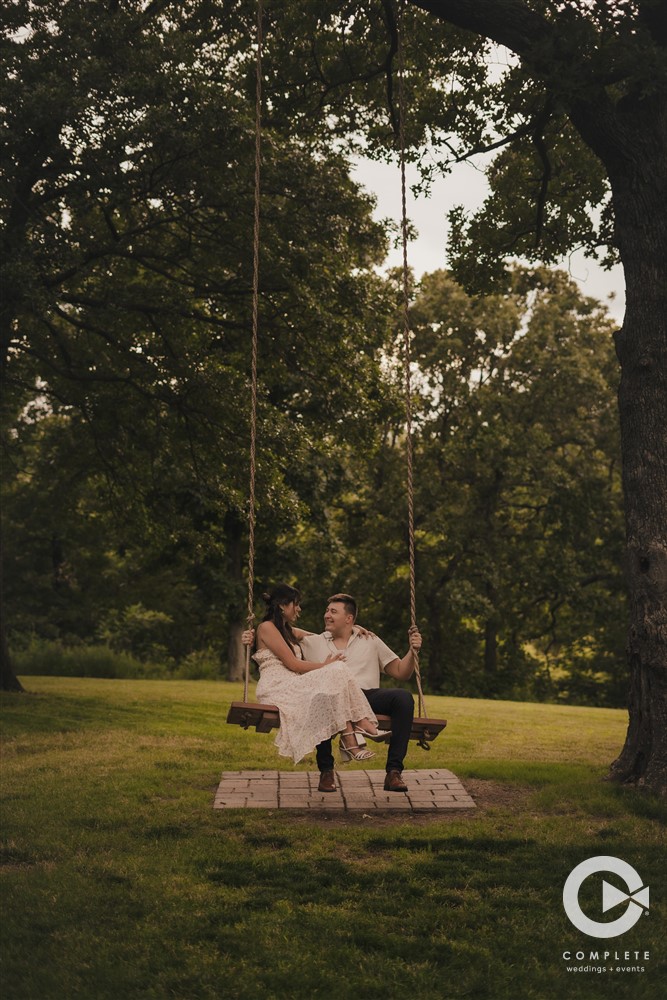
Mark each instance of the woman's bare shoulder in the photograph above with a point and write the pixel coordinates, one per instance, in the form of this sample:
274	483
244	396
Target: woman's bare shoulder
266	628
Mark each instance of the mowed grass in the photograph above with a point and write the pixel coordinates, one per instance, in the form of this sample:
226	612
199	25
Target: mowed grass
120	881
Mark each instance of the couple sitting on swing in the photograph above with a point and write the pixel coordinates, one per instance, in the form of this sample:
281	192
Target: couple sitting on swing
330	683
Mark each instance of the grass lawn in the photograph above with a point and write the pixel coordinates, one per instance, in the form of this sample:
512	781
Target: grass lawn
120	881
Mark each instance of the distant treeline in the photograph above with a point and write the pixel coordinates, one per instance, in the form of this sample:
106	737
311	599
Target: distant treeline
125	527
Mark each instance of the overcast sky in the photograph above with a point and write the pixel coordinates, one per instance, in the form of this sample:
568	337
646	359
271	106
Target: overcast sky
466	186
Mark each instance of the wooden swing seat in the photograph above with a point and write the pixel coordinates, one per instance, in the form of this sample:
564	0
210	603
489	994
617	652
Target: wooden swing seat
264	718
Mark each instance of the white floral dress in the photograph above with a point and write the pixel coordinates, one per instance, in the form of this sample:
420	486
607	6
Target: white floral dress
313	706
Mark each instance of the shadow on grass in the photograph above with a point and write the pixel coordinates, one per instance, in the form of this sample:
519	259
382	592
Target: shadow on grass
567	785
482	913
57	713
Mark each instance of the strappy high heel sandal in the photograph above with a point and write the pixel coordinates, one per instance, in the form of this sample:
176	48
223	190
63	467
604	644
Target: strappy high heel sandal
353	752
380	737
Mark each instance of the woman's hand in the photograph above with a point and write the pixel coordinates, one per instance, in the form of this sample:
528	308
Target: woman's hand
306	665
248	637
333	657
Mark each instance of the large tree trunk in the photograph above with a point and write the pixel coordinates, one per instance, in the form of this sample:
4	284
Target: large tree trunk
640	197
235	653
491	653
236	614
8	679
436	668
632	144
629	135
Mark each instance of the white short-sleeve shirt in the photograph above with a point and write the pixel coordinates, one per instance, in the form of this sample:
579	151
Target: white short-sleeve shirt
366	656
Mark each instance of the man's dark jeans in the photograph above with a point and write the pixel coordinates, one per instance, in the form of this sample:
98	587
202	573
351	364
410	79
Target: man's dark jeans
398	704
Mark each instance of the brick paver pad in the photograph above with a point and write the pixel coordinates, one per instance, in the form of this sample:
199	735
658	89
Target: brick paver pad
356	790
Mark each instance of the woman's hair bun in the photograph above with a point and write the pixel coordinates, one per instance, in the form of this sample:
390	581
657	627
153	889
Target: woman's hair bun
266	597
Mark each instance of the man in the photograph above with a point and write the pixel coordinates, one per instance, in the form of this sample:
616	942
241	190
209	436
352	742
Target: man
367	657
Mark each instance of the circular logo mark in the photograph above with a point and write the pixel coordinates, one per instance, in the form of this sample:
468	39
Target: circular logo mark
636	897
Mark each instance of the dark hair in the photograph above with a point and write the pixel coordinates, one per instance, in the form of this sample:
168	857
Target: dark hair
279	595
349	603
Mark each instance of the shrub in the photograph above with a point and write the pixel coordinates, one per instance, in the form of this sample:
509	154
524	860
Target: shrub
137	630
200	665
51	658
34	656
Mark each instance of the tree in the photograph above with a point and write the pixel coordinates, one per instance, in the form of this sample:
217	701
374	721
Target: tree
517	494
601	67
127	255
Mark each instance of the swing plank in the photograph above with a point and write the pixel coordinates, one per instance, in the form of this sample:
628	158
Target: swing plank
249	713
264	718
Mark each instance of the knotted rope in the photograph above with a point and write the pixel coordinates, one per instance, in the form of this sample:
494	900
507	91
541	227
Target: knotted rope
253	363
406	350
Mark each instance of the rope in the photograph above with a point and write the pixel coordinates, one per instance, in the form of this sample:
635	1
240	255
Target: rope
253	364
406	352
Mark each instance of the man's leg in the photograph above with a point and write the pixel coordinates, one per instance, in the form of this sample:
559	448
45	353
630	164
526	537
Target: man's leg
324	756
399	705
325	765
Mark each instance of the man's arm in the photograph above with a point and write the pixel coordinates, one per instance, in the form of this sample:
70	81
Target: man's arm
402	670
248	636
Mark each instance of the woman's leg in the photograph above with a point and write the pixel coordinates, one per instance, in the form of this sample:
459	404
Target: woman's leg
368	727
349	745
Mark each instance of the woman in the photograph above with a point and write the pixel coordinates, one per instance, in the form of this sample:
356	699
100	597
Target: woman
316	700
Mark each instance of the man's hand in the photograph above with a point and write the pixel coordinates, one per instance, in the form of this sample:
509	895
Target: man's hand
403	669
248	637
364	632
414	638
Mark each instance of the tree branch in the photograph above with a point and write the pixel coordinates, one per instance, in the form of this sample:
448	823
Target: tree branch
654	15
508	22
543	153
544	48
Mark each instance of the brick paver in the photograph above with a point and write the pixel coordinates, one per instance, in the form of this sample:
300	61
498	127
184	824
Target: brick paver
356	790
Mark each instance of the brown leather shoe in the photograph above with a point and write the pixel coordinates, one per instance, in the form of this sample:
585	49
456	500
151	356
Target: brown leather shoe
394	782
327	782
